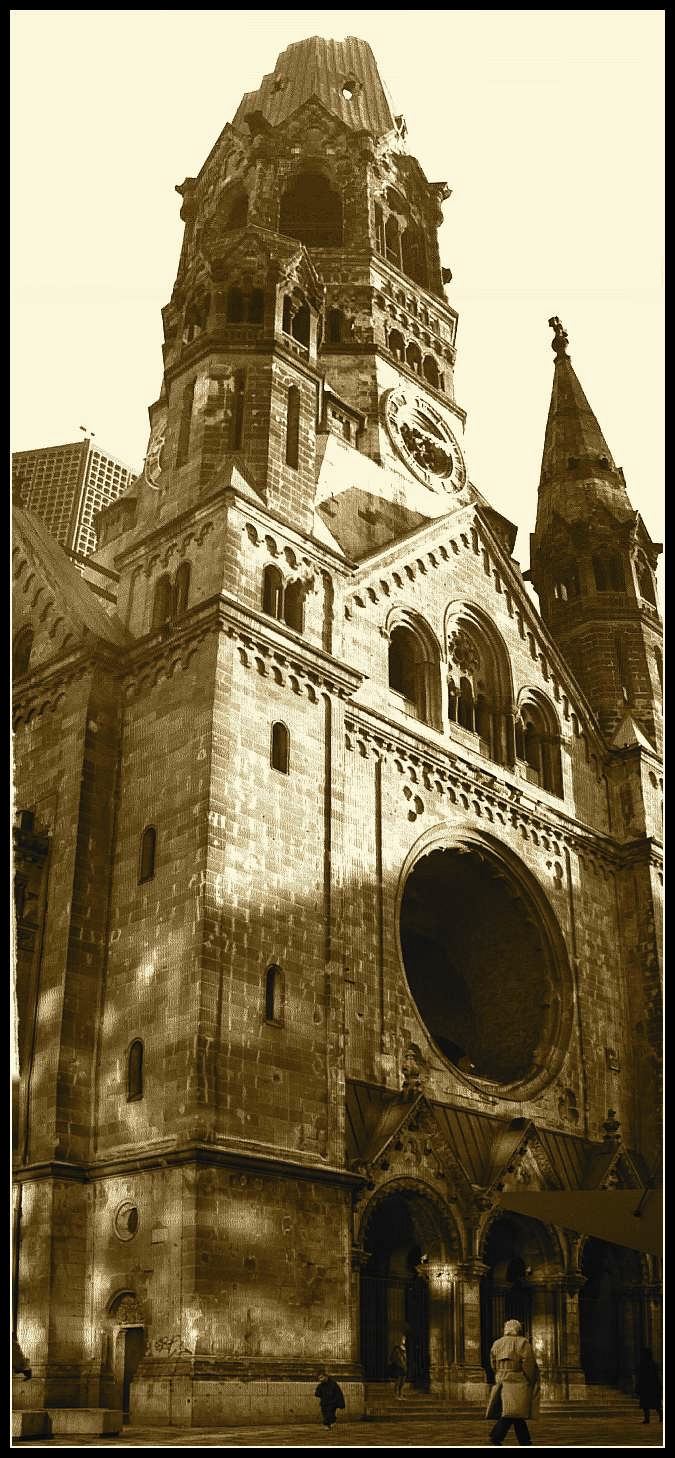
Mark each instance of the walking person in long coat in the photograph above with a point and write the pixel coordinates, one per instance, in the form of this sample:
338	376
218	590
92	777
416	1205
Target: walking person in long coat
330	1397
648	1385
515	1395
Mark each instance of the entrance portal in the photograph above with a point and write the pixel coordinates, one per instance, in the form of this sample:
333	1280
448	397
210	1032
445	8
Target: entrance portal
394	1288
130	1348
610	1313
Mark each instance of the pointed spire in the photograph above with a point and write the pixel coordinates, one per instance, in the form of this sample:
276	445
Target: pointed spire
574	441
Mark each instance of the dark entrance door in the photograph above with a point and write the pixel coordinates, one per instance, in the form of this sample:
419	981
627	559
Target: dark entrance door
602	1355
394	1295
133	1338
391	1307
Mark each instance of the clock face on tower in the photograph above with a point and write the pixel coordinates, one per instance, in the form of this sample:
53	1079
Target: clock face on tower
423	440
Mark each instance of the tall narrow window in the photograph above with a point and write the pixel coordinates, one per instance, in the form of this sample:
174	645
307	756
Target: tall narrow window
162	606
23	647
280	750
256	306
430	370
645	581
182	588
238	213
397	344
658	659
294	605
146	868
183	447
392	241
465	708
235	306
335	326
238	412
379	229
274	995
273	592
293	427
300	325
135	1071
287	315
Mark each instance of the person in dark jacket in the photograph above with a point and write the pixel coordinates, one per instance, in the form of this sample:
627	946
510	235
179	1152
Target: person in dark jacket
648	1385
330	1397
398	1366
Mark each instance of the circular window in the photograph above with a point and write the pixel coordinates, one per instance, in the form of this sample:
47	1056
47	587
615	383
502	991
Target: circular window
126	1221
480	965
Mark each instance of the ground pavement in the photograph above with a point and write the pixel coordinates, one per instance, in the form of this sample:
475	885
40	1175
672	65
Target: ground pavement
472	1432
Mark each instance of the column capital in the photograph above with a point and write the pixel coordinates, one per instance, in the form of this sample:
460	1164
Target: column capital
473	1269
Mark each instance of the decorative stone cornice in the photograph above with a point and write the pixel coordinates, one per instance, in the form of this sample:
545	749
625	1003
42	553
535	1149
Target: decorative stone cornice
481	793
207	1156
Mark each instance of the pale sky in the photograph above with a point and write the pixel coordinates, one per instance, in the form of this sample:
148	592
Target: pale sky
546	124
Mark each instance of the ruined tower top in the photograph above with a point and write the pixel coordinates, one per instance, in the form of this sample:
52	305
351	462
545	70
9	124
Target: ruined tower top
342	75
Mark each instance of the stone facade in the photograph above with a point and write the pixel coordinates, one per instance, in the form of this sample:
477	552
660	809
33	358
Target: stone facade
338	875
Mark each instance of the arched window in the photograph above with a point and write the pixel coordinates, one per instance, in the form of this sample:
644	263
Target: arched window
300	325
235	306
237	214
182	588
256	306
162	606
311	212
135	1071
293	427
480	691
392	240
414	671
294	605
146	869
645	580
658	659
413	357
274	995
23	647
538	743
273	592
430	370
280	748
397	345
287	315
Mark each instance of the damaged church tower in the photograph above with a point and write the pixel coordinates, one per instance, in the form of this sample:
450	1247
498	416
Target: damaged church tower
338	866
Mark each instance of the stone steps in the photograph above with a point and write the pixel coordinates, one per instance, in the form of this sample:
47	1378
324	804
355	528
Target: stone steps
381	1405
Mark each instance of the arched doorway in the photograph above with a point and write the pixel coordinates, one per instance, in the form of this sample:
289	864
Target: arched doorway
405	1241
128	1346
611	1317
521	1258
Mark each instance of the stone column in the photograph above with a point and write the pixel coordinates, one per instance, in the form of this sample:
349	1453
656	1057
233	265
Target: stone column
573	1375
442	1330
359	1261
471	1378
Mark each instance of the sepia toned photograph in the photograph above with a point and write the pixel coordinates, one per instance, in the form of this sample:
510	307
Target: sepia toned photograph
336	784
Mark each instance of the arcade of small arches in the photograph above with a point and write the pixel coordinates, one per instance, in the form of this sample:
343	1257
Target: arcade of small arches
586	1305
472	690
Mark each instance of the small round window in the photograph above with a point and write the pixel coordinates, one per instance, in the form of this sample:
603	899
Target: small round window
126	1221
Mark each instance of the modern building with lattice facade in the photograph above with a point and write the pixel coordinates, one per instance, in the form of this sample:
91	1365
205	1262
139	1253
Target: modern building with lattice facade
66	486
338	861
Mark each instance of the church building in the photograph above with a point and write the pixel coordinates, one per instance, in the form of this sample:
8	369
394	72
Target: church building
338	863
